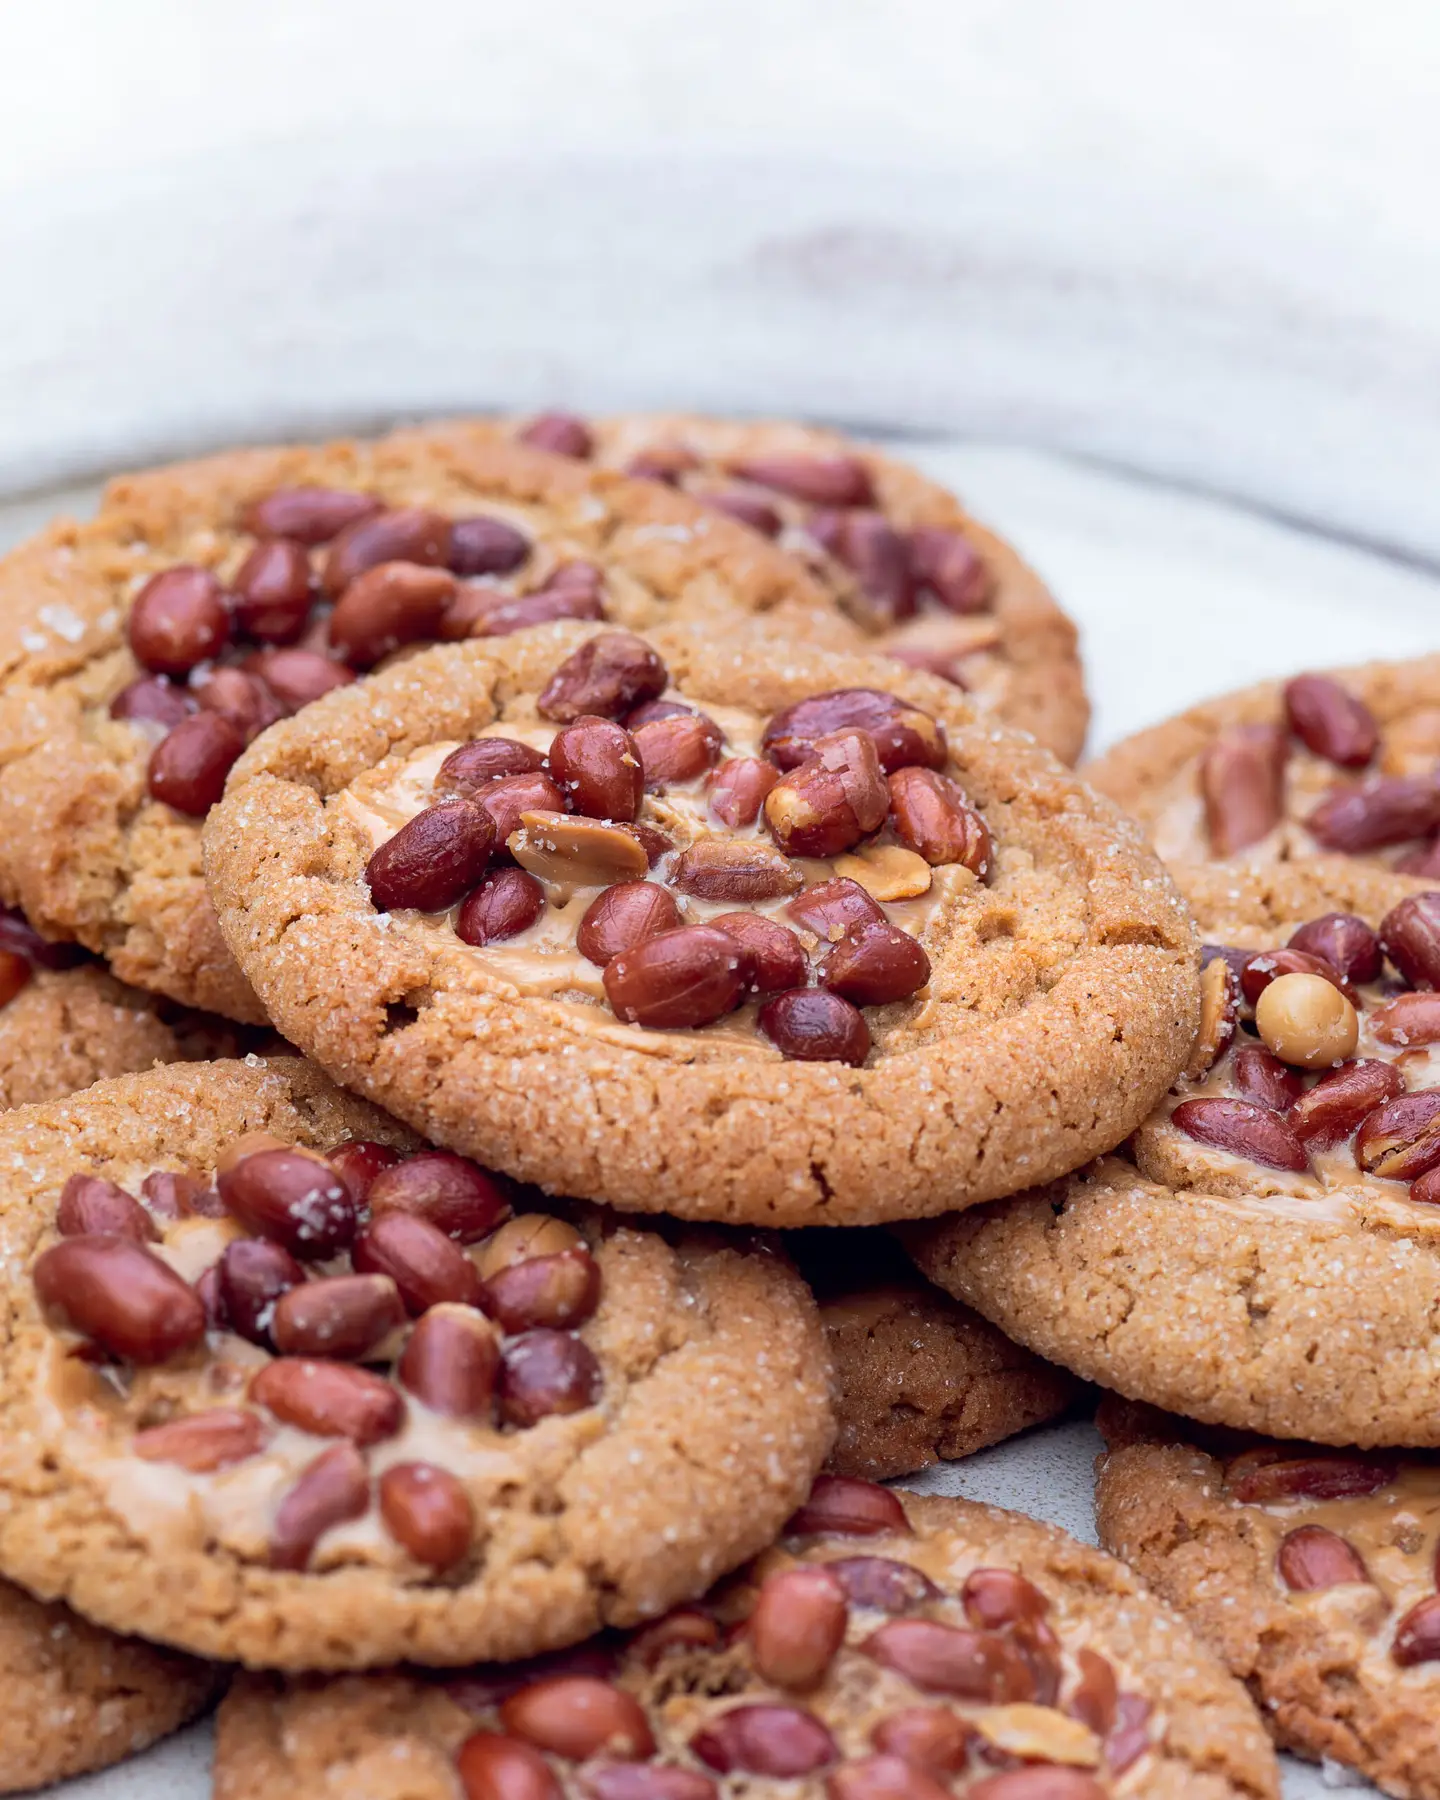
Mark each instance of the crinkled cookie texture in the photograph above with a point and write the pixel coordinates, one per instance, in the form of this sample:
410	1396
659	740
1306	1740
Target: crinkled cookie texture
935	1654
1339	765
1060	1003
78	1699
711	1373
1295	1300
850	512
86	850
67	1028
1304	1573
919	1378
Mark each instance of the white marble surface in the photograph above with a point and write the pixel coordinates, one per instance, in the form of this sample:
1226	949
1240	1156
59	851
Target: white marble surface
1177	597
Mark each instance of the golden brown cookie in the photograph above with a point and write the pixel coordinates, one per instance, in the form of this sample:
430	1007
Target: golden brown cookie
77	1698
919	1378
311	1413
1270	1258
902	557
1005	975
1341	765
141	650
1310	1574
65	1022
888	1646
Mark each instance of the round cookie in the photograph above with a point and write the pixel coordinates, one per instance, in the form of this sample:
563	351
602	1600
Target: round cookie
1310	1574
1269	1259
78	1699
919	1378
502	1433
929	582
1002	1658
65	1023
1048	1004
1339	766
237	558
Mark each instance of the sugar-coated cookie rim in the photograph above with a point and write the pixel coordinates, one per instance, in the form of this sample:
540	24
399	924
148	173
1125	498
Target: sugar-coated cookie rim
81	849
731	1471
1049	1268
1215	1742
840	1145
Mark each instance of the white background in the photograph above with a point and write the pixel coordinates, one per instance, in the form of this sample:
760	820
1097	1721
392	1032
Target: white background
1158	284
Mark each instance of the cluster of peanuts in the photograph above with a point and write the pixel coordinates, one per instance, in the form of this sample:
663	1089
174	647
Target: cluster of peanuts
979	1685
377	1282
850	768
1280	1032
1243	780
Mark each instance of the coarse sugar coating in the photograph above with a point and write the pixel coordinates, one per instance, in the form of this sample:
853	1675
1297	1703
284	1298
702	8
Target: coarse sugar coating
309	1395
919	1378
1310	1574
1267	1256
1057	961
903	558
100	821
919	1647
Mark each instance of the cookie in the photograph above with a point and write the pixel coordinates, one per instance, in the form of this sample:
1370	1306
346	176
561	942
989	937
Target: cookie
77	1698
1270	1258
1341	765
901	556
141	650
1006	975
889	1646
1311	1574
430	1446
919	1378
65	1022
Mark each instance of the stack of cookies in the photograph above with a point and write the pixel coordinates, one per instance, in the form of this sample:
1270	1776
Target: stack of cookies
622	1031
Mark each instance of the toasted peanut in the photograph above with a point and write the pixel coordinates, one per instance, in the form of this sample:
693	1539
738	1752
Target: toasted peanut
781	1741
524	1236
251	1277
1242	1129
451	1362
496	1767
428	1512
1409	1019
557	1292
1259	1477
1219	1010
904	735
932	817
874	964
997	1597
427	1267
188	767
296	1200
470	769
951	567
329	1399
1401	1139
609	675
121	1296
679	980
577	1717
623	916
1264	1079
932	1737
1096	1695
345	1316
570	852
848	1507
1265	966
944	1659
509	797
677	749
887	872
310	515
1306	1021
830	802
1410	936
1346	943
1417	1636
814	1025
1312	1557
1388	809
882	1583
547	1372
403	534
434	859
1331	722
831	907
736	869
596	765
330	1491
454	1194
1242	781
1039	1734
774	956
391	604
481	545
178	619
739	787
821	480
202	1442
797	1625
89	1206
876	554
1341	1099
883	1778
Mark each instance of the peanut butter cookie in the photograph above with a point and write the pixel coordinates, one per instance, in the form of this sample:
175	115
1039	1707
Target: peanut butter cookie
927	581
280	1388
141	651
1339	766
887	1646
1311	1574
710	928
77	1698
919	1378
1270	1258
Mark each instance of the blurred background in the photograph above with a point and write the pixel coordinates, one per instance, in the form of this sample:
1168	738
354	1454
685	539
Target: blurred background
1157	287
